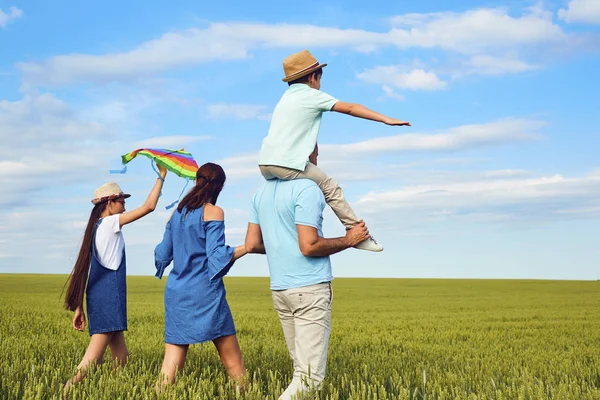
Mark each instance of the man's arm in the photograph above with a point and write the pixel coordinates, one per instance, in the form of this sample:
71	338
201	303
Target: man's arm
254	241
357	110
312	245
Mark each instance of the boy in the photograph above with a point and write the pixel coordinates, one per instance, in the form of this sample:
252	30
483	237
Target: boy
294	130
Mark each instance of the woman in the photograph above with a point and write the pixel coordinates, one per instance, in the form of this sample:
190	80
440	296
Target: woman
196	309
102	257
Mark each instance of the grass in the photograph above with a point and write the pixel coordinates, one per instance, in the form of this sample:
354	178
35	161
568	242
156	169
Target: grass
391	339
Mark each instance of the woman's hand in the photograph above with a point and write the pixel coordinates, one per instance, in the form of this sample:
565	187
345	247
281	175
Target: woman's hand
239	252
79	319
162	170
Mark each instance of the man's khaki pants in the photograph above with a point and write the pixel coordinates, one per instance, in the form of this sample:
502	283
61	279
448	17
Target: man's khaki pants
305	315
331	190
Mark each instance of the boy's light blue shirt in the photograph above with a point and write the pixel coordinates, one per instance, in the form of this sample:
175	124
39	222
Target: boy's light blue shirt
277	207
295	126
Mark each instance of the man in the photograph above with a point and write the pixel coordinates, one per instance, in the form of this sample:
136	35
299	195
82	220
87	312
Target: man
285	222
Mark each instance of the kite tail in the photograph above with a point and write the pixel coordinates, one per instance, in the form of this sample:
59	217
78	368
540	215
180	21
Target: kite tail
119	171
179	198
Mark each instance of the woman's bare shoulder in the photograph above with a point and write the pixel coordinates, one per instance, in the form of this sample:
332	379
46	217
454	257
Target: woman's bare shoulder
213	213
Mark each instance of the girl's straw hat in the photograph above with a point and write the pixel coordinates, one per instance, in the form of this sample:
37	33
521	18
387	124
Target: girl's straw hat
108	191
299	65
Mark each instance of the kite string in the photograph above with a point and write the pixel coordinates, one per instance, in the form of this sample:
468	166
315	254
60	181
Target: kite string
187	181
156	170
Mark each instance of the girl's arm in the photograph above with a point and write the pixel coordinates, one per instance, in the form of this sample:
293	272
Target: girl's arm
150	204
359	111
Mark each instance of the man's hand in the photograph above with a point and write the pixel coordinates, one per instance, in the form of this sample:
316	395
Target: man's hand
396	122
79	319
357	234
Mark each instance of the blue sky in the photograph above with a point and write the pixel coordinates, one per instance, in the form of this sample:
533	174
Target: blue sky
497	178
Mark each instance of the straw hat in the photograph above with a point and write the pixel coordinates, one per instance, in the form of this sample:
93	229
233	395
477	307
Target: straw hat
299	65
108	191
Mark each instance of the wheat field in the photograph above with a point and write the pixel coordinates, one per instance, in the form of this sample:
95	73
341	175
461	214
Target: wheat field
390	339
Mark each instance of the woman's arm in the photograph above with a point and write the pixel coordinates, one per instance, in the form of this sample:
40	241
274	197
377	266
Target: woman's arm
150	203
163	253
240	251
220	256
214	213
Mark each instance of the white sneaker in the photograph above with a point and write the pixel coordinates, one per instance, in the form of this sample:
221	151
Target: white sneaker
369	244
295	391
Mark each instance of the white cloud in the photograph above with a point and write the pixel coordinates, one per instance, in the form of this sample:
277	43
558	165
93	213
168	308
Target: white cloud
340	160
55	232
171	50
235	233
471	32
488	65
462	137
408	78
170	142
42	119
490	198
477	30
42	140
506	173
334	157
239	111
121	109
390	93
416	79
584	11
13	13
241	167
593	210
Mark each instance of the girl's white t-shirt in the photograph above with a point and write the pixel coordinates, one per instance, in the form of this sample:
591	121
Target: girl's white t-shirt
110	242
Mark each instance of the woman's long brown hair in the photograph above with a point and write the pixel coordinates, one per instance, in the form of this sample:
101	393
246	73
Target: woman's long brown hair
210	179
79	275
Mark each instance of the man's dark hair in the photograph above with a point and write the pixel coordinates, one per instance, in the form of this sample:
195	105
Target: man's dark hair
304	79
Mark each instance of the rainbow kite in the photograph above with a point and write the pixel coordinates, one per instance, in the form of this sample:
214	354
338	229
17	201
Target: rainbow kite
179	162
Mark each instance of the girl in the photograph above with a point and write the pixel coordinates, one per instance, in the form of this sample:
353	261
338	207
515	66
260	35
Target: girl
196	309
102	256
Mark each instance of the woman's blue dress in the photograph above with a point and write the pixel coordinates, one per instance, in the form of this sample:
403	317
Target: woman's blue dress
196	309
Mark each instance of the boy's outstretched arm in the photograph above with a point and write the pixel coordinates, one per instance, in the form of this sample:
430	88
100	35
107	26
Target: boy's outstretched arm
357	110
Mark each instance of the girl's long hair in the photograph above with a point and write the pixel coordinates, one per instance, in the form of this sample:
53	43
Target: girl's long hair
79	275
210	179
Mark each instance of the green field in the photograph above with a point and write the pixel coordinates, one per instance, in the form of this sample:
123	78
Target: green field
391	339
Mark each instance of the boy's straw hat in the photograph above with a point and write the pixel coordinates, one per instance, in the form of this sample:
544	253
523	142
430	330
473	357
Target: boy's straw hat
108	191
299	65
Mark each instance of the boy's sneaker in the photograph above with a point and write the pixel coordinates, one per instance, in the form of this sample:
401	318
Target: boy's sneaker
370	244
